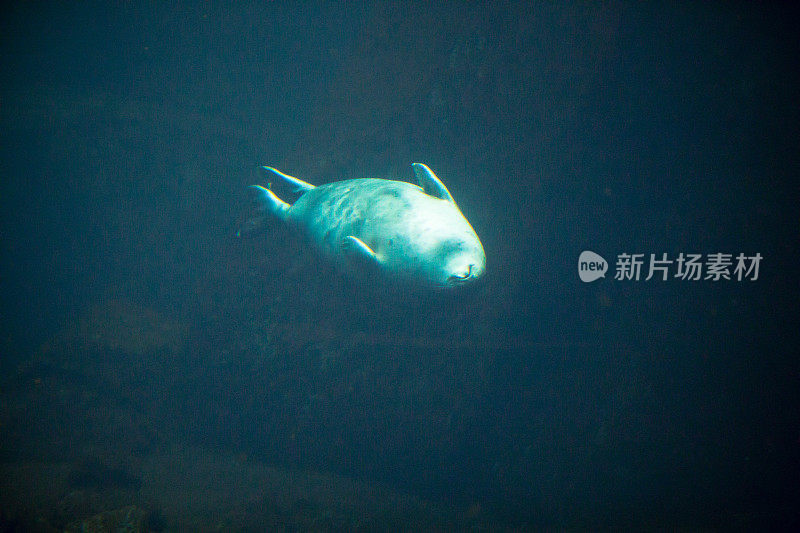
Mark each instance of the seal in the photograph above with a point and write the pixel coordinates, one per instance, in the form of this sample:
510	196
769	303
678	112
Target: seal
409	234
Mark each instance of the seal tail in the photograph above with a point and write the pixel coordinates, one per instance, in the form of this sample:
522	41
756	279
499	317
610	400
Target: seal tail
268	204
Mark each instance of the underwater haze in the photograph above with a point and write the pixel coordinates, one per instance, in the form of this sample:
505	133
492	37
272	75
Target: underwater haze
160	373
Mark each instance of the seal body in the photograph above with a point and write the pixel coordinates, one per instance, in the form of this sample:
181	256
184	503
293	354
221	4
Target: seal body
409	234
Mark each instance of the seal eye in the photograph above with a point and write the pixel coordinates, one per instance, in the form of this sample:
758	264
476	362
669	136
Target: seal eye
450	247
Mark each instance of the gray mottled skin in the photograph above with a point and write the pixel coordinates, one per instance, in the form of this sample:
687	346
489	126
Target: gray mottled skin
410	236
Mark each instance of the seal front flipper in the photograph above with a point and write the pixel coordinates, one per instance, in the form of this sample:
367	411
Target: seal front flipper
432	185
357	248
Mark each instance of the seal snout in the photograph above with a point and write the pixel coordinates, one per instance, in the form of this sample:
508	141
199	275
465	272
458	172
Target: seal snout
462	276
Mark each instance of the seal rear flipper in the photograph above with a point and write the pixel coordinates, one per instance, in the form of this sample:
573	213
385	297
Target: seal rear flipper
269	203
298	185
266	204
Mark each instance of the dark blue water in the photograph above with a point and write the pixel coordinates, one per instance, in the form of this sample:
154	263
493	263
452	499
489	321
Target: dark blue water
145	347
